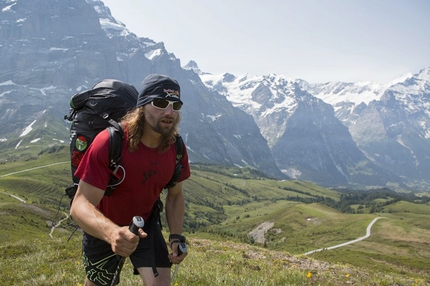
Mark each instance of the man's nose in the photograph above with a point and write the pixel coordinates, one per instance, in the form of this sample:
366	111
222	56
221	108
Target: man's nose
169	109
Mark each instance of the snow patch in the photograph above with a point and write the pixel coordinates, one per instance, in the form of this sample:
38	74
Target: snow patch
43	90
108	24
152	54
189	148
27	130
401	142
17	145
9	82
212	117
6	92
58	49
9	8
292	173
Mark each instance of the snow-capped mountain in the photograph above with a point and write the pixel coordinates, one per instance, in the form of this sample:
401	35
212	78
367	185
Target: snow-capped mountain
393	128
307	141
387	125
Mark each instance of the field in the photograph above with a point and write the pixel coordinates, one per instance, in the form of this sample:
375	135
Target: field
224	205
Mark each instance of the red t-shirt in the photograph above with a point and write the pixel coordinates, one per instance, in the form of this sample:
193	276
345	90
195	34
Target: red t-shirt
146	173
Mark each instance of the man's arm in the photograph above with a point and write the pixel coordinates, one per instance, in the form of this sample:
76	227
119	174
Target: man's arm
85	213
175	210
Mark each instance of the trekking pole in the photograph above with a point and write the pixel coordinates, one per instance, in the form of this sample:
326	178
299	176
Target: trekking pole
183	248
136	223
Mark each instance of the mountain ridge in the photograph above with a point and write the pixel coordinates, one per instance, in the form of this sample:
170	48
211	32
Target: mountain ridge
352	104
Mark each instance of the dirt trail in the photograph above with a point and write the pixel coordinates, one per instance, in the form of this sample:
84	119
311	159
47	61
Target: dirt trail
369	227
34	168
13	196
259	232
58	224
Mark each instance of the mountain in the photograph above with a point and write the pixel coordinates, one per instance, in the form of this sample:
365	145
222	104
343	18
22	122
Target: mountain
334	134
307	140
52	49
392	127
348	133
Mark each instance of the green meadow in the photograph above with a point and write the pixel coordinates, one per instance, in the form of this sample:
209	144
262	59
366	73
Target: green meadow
224	204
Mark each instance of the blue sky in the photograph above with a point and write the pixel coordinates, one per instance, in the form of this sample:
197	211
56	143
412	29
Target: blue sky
316	40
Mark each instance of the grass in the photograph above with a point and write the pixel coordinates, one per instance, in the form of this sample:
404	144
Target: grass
54	261
223	205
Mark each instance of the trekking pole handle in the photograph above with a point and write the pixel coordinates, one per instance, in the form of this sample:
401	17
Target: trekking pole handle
135	224
182	248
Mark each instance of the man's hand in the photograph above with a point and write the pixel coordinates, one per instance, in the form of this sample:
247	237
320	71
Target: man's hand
174	257
124	242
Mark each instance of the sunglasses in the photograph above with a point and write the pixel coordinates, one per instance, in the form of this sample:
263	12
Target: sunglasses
164	103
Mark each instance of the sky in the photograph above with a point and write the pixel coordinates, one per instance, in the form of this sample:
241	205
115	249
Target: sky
315	40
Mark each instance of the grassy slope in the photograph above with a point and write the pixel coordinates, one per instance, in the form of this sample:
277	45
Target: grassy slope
239	202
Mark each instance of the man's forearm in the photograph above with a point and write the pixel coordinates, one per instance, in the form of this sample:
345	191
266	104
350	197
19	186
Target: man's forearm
85	213
93	222
175	210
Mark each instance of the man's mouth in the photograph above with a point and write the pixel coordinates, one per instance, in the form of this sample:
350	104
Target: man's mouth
167	121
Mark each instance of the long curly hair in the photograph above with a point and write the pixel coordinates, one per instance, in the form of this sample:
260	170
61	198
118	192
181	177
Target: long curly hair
133	122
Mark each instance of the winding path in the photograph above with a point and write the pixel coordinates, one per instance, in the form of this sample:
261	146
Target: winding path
348	242
13	196
27	170
22	200
58	224
40	167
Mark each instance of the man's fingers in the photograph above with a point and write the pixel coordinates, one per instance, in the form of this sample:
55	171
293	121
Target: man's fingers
142	234
177	259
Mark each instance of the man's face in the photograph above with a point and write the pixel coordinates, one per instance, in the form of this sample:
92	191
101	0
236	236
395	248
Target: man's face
161	121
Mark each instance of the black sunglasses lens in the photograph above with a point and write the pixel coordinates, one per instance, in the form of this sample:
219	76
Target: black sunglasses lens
163	104
160	103
177	105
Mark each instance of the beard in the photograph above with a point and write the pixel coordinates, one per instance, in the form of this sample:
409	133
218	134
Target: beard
160	126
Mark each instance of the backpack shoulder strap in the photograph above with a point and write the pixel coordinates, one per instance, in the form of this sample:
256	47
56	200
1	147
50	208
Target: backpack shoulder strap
179	147
116	135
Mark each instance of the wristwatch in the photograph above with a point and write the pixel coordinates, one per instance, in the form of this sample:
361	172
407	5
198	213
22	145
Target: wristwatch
177	237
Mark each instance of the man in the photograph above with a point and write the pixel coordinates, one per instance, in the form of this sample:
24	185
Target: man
149	160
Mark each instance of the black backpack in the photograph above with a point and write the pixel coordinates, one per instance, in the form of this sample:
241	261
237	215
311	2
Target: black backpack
92	111
95	110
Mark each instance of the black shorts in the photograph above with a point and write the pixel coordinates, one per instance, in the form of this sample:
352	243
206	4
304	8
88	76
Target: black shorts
101	262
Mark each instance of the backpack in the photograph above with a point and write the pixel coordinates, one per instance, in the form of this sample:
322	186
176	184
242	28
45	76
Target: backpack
98	109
